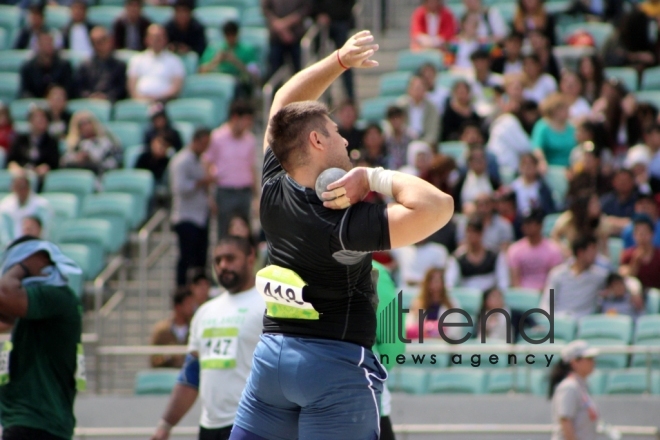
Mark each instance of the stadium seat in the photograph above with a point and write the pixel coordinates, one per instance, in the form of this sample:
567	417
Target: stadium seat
19	108
186	130
651	79
632	381
104	15
507	10
57	17
407	297
158	14
457	150
549	223
132	110
213	36
241	5
481	349
626	75
215	16
374	109
409	379
609	361
199	111
556	7
539	382
253	17
647	327
125	55
617	327
76	283
517	380
596	382
643	359
447	80
12	60
101	108
468	298
65	205
411	61
131	155
139	183
90	231
558	183
218	87
10	19
458	9
74	57
160	381
258	37
9	86
107	204
394	83
521	299
78	182
599	31
614	249
127	133
653	301
649	96
88	257
457	382
565	328
5	39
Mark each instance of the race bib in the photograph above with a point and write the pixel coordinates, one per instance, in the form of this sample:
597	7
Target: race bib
4	362
81	375
282	290
220	345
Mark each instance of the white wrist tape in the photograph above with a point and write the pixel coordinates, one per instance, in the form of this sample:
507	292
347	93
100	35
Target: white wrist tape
380	180
164	425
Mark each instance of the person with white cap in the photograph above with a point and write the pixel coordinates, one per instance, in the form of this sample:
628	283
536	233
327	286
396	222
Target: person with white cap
574	413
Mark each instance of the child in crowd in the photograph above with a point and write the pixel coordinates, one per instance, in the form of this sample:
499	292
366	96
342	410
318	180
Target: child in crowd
617	298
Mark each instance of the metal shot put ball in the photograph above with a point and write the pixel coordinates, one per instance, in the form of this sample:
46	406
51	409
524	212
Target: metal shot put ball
326	178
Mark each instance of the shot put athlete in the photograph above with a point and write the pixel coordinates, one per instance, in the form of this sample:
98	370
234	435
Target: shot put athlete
314	376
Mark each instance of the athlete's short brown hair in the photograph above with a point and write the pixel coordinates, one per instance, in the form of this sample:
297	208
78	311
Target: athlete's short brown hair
290	128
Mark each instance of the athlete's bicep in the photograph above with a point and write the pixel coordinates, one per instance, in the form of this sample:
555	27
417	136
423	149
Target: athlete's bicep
364	227
272	166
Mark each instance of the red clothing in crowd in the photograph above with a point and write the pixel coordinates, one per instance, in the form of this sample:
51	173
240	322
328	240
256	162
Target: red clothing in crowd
446	29
6	136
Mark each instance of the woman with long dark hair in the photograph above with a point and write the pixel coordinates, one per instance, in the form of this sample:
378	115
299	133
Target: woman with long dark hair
590	70
434	300
574	413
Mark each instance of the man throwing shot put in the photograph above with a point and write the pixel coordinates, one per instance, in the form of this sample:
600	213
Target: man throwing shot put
314	376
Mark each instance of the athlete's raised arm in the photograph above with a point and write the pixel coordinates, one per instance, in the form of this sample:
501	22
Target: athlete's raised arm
310	83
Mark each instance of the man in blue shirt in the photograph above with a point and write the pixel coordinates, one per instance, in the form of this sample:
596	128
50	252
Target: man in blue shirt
645	205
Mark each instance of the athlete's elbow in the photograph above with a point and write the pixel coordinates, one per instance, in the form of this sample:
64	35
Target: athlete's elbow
444	209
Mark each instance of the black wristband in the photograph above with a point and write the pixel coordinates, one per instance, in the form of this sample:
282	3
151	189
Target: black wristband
25	269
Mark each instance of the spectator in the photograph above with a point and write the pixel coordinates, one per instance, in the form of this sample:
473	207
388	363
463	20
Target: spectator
36	150
174	330
347	116
337	17
583	218
588	173
414	261
498	327
492	26
645	205
571	87
473	137
32	226
435	94
630	44
422	115
637	161
28	38
162	126
7	133
474	181
553	136
47	359
577	282
232	154
103	76
155	74
618	108
541	47
485	81
530	188
652	141
200	285
156	159
22	202
234	57
590	70
373	152
510	136
466	42
433	300
538	85
442	167
474	265
189	180
45	69
617	299
58	115
532	257
511	60
432	25
642	260
531	15
285	23
184	32
458	112
513	97
130	29
89	146
505	206
418	159
497	232
77	34
621	202
397	138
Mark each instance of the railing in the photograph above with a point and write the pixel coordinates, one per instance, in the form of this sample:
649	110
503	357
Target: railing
116	266
268	91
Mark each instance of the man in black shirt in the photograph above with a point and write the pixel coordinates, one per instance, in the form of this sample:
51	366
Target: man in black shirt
103	76
314	375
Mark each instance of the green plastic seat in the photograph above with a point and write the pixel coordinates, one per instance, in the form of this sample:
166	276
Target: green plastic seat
5	39
651	79
101	108
517	380
549	223
160	381
213	36
186	130
539	382
104	15
78	182
374	109
394	83
642	359
615	248
105	204
596	382
57	17
565	328
12	60
241	5
19	108
158	14
138	183
253	17
627	75
556	7
558	183
457	150
447	80
458	381
66	206
609	361
199	111
91	231
217	87
599	31
653	301
132	111
411	61
76	58
125	55
632	381
88	257
216	16
411	380
10	19
649	96
521	299
647	327
618	327
257	37
507	10
131	155
128	133
468	298
9	85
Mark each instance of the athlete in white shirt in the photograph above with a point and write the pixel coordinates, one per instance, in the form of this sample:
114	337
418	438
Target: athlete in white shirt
223	335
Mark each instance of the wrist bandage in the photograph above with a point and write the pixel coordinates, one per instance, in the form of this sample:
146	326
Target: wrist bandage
164	425
380	180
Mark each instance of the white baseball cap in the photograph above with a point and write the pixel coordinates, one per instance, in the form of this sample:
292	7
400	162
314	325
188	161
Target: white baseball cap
578	349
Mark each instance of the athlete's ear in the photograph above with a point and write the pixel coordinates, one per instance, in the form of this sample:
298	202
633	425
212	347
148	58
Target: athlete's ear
315	139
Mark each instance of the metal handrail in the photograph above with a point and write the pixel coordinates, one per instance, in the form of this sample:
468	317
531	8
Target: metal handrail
116	265
268	91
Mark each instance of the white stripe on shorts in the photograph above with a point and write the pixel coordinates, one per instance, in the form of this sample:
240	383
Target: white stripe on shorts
373	391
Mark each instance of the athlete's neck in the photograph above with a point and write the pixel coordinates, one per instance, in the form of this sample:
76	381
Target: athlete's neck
304	177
